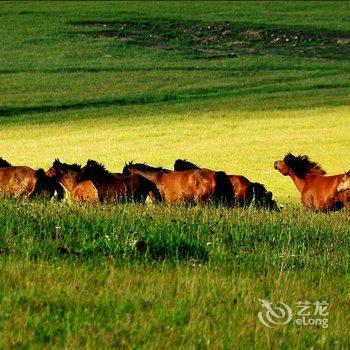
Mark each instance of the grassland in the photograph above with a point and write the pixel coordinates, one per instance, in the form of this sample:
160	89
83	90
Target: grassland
71	276
231	86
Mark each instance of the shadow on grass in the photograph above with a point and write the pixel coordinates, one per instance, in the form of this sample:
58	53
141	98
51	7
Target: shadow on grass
182	96
233	70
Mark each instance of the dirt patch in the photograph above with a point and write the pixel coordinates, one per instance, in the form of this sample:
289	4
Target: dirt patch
217	40
252	32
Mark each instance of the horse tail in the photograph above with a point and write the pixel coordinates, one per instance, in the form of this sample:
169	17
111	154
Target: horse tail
40	174
154	192
40	182
48	185
60	190
224	190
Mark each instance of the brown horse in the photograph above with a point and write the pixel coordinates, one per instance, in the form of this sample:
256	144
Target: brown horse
191	186
116	187
245	192
318	192
19	181
68	175
344	183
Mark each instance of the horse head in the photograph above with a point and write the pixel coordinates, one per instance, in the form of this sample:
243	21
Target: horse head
300	166
95	172
183	164
344	183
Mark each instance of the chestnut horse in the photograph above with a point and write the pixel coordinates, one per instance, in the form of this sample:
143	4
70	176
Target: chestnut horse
19	181
344	183
116	187
191	186
245	191
318	192
68	175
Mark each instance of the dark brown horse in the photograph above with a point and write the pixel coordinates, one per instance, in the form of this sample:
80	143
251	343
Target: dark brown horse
48	187
114	188
245	192
68	175
19	181
191	186
318	192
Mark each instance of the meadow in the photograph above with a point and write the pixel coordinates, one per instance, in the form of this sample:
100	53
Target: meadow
230	86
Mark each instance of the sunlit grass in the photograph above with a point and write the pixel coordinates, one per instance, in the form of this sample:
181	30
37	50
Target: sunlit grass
236	142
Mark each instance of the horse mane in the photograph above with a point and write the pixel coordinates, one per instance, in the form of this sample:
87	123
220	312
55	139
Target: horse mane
66	167
4	163
142	166
48	183
95	169
261	197
183	164
302	165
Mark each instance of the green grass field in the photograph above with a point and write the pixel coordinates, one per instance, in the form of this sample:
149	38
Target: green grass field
231	86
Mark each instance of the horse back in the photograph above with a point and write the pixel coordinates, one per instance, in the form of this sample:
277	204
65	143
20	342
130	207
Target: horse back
85	191
111	191
320	192
240	184
24	171
204	185
321	183
17	180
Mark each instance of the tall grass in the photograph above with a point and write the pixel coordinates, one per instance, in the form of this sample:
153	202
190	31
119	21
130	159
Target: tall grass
244	239
73	276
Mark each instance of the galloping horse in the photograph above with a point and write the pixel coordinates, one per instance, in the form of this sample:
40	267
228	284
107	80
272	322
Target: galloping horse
68	175
115	187
318	191
344	183
191	186
245	191
21	181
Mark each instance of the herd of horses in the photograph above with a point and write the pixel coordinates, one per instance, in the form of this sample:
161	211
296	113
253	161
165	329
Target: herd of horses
186	183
